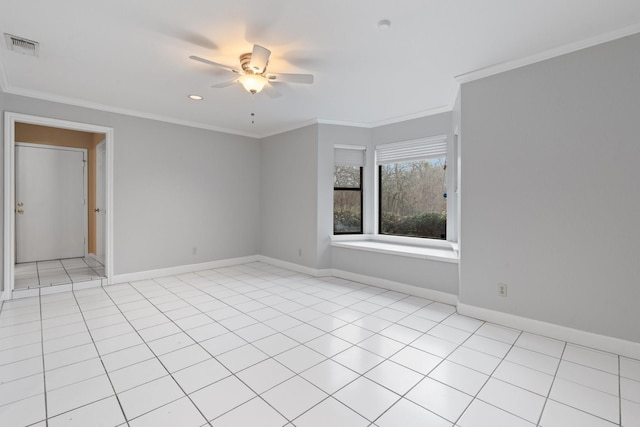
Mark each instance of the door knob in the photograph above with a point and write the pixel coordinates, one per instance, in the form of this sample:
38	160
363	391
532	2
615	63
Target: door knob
20	211
97	210
20	204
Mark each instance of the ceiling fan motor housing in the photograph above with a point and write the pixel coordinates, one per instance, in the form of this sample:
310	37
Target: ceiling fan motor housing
245	61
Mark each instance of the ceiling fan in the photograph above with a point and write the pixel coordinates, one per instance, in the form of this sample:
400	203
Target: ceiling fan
253	73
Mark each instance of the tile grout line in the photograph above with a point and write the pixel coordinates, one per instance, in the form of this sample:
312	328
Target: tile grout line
555	375
619	390
270	357
330	332
425	376
489	376
170	374
234	374
249	343
246	285
100	358
581	385
44	371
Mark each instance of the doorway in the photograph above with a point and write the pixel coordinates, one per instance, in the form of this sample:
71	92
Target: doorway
94	252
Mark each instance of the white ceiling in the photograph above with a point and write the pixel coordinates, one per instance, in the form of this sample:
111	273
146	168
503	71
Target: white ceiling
132	55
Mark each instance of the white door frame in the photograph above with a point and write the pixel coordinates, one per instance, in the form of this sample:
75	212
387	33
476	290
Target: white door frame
101	196
10	119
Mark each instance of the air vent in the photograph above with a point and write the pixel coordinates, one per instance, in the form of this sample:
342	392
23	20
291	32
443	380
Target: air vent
21	45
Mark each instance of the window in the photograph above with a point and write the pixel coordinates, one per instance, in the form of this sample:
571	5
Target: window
412	188
347	190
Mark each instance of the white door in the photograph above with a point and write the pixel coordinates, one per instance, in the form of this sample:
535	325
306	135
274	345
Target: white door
101	201
50	203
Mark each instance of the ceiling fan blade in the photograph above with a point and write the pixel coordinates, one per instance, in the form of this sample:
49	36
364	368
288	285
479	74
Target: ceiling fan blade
259	59
215	64
271	91
224	84
291	78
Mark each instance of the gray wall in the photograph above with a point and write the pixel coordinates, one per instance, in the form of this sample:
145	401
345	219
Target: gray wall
175	188
288	196
427	274
328	137
297	201
550	200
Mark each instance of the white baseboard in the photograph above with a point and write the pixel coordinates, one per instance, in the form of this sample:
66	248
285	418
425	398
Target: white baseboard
551	330
181	269
563	333
295	267
417	291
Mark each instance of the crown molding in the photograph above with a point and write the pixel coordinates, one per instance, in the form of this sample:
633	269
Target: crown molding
289	128
4	83
548	54
45	96
426	113
370	125
117	110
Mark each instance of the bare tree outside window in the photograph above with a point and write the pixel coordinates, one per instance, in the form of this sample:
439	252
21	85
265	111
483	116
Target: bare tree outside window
413	198
347	200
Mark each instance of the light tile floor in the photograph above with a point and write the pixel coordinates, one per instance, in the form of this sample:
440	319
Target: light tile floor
256	345
45	273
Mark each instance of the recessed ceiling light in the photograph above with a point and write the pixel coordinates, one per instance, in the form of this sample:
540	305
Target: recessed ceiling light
384	25
196	97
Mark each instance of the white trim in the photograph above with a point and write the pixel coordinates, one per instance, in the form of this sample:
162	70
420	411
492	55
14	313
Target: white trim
420	242
419	252
180	269
289	128
350	147
417	291
574	336
370	125
6	88
8	207
295	267
25	293
431	294
551	330
548	54
118	110
426	113
4	83
343	123
10	119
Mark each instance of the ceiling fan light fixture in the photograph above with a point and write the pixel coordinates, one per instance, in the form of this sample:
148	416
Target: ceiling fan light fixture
253	83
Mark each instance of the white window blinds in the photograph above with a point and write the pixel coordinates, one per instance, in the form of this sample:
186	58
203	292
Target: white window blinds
348	155
416	149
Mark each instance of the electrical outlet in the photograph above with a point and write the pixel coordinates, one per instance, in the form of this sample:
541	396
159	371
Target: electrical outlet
194	250
502	289
299	252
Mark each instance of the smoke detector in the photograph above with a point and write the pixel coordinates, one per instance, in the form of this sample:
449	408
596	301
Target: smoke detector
22	45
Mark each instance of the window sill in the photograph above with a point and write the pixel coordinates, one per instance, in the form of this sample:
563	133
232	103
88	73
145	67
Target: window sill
443	252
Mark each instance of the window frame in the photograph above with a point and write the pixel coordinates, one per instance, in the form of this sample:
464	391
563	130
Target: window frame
451	180
359	189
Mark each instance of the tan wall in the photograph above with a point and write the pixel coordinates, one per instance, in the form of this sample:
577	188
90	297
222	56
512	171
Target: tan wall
45	135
